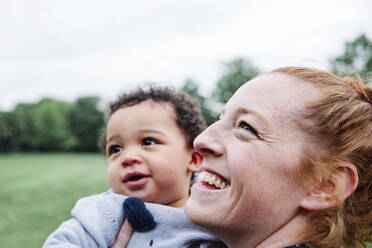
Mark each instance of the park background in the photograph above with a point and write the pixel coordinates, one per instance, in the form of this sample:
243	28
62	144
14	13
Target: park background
62	62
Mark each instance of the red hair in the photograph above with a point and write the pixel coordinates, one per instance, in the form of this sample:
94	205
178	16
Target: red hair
342	122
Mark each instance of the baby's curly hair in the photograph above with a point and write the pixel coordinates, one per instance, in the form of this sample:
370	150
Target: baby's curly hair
187	110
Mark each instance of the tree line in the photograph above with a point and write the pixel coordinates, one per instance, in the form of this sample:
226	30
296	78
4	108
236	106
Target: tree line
54	125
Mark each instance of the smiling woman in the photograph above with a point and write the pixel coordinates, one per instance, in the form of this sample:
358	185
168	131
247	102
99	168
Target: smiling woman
289	166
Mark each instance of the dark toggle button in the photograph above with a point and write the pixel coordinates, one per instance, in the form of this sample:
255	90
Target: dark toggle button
138	216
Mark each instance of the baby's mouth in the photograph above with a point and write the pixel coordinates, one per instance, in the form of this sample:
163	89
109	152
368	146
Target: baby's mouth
134	176
213	181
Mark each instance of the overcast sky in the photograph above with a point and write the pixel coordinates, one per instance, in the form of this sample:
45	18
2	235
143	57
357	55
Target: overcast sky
71	48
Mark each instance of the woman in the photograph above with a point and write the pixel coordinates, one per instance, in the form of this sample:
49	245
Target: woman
288	163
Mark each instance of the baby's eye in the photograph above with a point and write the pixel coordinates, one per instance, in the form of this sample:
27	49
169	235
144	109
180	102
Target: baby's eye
246	127
149	141
114	149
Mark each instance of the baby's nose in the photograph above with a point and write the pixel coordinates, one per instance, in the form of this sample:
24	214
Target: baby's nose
130	158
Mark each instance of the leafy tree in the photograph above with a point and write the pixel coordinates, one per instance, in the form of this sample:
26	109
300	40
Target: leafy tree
86	122
49	118
237	72
25	137
356	59
192	88
8	142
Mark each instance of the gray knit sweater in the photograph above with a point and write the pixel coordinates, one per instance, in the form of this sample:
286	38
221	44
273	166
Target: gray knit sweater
97	219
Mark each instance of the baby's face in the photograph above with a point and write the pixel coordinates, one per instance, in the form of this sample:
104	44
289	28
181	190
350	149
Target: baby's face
148	155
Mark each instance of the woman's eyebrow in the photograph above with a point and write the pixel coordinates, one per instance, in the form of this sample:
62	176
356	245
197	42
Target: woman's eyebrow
260	117
222	113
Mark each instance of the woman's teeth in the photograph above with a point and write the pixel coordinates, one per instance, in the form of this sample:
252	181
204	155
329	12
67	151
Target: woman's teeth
212	180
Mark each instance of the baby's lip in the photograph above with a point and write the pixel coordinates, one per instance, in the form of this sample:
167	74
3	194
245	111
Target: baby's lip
135	175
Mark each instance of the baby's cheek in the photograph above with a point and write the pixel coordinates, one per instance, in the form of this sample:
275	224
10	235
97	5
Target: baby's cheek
113	182
111	185
166	182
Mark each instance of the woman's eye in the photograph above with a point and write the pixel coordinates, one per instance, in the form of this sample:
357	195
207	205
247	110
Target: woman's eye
149	142
246	127
115	149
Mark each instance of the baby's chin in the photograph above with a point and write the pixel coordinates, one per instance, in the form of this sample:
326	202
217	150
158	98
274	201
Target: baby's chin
143	197
150	198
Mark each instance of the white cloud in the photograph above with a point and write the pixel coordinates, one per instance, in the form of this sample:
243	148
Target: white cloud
70	48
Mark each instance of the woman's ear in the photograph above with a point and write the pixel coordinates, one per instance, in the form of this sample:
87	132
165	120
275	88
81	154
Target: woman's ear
195	163
334	189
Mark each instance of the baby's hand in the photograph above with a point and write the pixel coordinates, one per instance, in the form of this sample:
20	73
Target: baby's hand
124	235
137	218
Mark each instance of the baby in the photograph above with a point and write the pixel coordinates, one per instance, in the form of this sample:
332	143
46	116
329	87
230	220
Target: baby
148	144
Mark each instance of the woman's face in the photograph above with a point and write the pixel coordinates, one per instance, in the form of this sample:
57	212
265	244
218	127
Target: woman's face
252	167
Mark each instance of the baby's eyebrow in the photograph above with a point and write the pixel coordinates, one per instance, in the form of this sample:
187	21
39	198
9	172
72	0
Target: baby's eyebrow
112	138
151	131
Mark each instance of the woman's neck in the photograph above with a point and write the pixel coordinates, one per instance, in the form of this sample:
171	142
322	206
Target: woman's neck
292	233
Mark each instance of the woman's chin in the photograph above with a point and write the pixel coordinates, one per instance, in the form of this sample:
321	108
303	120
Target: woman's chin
203	208
198	214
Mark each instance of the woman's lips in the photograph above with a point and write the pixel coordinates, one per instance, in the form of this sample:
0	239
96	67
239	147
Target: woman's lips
211	180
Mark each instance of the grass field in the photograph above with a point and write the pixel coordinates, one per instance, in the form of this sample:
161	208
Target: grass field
38	191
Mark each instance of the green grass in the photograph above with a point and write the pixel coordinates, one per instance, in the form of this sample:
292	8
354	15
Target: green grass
38	191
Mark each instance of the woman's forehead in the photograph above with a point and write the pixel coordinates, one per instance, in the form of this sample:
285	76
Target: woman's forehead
273	95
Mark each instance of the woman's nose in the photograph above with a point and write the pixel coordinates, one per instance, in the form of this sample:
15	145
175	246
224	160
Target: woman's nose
208	142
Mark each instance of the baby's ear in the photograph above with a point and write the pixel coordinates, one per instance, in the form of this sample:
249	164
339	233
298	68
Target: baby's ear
196	161
333	189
